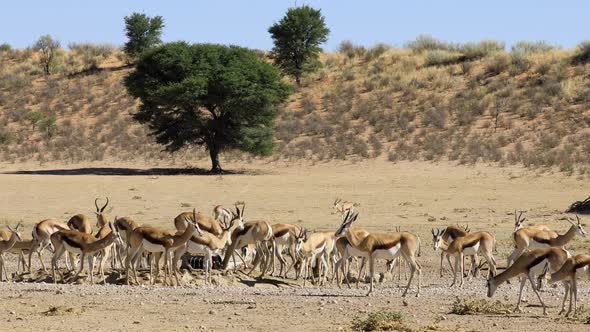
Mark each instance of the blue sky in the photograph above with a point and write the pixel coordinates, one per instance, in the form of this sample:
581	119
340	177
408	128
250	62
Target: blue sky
246	23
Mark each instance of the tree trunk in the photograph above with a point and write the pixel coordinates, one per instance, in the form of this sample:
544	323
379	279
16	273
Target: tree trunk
214	154
298	80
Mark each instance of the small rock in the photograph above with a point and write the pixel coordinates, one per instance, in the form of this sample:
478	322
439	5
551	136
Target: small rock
443	318
495	324
211	312
12	313
136	322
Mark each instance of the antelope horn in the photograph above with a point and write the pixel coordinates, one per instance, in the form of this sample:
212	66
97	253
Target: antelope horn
96	204
104	207
578	218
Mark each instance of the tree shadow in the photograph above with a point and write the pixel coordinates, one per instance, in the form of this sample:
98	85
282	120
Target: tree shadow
122	171
97	70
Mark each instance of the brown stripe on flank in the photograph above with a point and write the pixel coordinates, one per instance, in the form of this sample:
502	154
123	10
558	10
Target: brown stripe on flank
282	232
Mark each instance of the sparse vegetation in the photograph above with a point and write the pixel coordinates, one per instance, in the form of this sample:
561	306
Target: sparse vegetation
465	103
380	321
479	307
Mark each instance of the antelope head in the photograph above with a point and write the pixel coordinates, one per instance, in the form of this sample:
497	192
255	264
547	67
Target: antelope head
301	237
579	229
336	206
518	220
238	216
101	216
437	238
349	218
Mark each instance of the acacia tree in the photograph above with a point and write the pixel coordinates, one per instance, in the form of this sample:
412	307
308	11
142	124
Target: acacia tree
297	37
49	50
210	95
143	32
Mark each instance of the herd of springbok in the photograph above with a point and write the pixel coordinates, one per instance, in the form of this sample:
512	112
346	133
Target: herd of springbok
538	251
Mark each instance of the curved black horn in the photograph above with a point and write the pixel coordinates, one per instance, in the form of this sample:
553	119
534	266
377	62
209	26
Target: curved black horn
96	204
104	207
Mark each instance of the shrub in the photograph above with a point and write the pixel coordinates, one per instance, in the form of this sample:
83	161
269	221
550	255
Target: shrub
351	50
527	47
48	126
380	321
473	51
5	47
497	64
427	43
440	58
7	137
376	51
435	117
479	306
582	54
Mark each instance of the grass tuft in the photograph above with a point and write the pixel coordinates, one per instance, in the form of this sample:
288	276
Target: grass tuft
463	306
380	321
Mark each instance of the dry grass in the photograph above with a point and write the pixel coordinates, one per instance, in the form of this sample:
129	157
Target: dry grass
470	102
380	321
462	306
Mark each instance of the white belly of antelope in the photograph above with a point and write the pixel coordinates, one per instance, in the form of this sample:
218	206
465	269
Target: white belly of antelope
471	250
388	253
151	247
352	251
195	248
282	240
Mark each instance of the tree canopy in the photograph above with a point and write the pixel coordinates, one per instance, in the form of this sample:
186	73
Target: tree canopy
143	32
211	95
297	37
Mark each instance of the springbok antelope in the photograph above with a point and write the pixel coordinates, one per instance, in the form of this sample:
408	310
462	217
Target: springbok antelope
384	246
205	222
569	273
7	241
254	232
80	243
342	207
157	241
80	223
222	214
313	247
104	229
19	248
208	244
284	237
528	265
519	221
468	245
347	251
449	234
124	225
526	238
42	232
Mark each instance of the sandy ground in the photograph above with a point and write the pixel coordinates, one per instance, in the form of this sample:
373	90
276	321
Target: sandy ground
416	196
